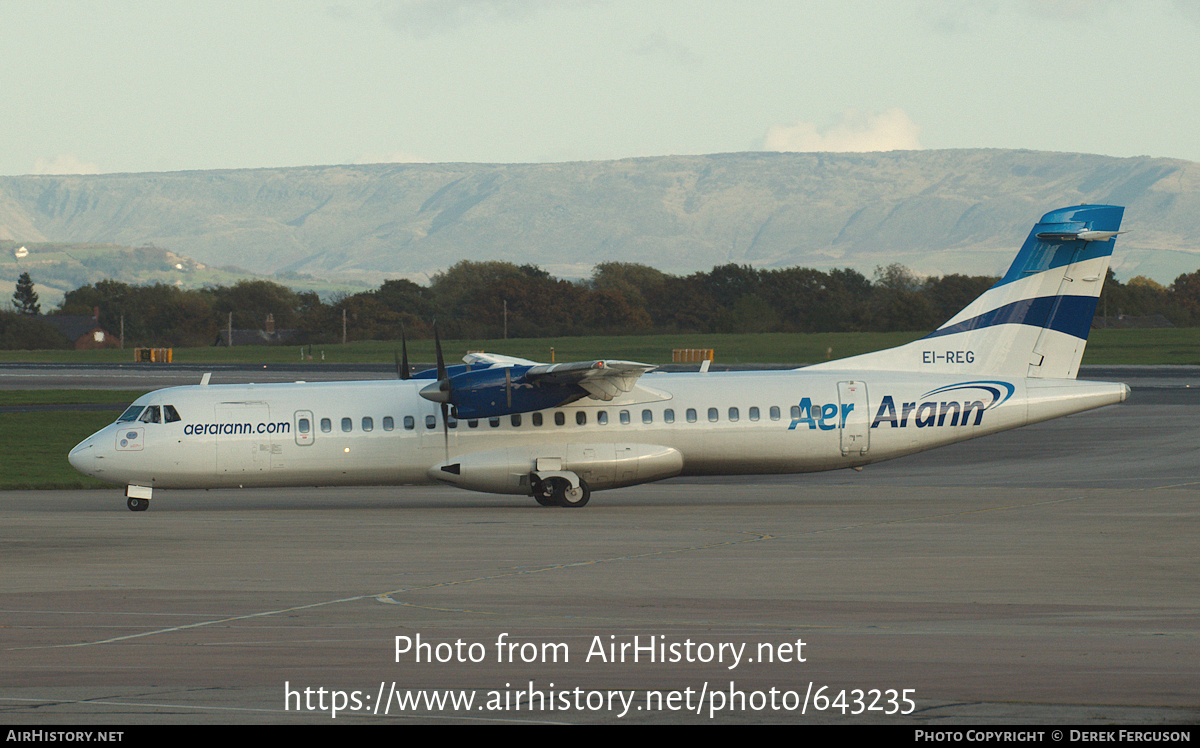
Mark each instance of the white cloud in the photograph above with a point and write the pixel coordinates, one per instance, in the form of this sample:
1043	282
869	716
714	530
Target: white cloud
856	131
64	163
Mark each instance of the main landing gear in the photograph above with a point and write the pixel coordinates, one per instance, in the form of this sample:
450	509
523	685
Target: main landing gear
558	490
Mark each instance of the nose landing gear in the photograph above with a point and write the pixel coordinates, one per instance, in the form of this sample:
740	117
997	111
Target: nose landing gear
137	498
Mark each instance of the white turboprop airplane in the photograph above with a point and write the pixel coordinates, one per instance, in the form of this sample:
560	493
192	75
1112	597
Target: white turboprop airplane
559	431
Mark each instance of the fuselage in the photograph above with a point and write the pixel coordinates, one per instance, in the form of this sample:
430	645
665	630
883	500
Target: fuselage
558	431
385	433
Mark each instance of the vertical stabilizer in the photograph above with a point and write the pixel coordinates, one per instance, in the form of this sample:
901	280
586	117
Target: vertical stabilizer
1035	321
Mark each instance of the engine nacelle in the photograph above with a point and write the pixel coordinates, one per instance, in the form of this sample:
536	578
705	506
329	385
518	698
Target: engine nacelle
499	391
601	466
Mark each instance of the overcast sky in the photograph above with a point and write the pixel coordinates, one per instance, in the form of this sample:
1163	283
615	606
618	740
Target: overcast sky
146	85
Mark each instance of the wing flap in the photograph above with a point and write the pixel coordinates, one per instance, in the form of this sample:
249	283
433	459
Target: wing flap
602	379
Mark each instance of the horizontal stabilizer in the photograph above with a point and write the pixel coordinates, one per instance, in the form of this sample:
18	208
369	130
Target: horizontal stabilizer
1051	237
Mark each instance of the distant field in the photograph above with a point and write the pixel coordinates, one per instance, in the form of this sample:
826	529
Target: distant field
1158	346
1179	345
34	447
118	398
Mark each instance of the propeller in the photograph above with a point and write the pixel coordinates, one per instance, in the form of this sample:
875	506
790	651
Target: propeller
402	369
444	386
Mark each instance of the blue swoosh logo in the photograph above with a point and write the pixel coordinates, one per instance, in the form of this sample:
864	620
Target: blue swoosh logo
1000	391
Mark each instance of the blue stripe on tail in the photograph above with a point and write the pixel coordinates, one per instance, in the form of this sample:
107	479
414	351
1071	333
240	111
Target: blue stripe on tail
1069	314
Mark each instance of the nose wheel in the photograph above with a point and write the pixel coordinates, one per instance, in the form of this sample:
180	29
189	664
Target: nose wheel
137	498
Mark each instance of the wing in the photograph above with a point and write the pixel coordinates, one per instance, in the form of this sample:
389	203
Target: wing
603	379
505	384
495	359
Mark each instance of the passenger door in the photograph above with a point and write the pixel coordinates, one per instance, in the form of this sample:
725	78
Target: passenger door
856	422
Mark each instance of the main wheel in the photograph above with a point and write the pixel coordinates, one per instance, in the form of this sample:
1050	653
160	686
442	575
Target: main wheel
573	497
137	505
543	493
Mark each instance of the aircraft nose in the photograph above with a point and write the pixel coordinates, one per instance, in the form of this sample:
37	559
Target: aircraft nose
83	456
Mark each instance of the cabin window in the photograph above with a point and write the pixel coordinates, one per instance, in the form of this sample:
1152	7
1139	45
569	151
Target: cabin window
734	414
795	412
713	414
494	422
537	419
624	418
602	417
647	416
669	416
170	415
368	423
410	423
389	424
431	421
326	425
774	412
754	414
451	422
303	426
347	424
580	418
691	415
131	413
473	423
152	414
559	418
515	419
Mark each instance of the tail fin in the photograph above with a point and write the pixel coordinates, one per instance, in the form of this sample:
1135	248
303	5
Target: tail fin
1035	321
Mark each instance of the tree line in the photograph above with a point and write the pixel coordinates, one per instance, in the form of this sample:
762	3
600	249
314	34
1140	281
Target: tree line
483	300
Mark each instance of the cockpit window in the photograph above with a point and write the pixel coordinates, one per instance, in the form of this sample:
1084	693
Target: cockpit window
131	413
170	415
152	414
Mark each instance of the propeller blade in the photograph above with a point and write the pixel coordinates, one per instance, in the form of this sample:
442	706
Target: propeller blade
444	385
441	362
508	384
446	428
402	369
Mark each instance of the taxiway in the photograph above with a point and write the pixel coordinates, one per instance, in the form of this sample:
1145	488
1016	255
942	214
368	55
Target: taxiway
1041	575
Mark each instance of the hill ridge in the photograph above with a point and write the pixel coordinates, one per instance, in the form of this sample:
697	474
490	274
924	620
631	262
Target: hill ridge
936	211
